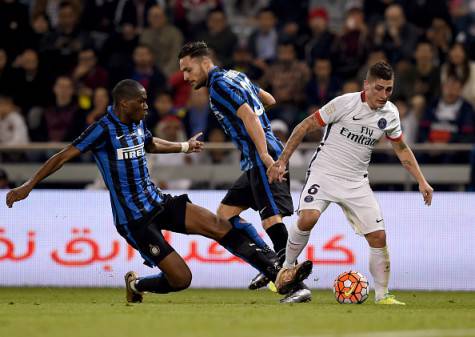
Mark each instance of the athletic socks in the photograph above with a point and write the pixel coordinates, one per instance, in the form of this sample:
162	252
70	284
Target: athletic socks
298	239
240	245
155	284
278	235
248	229
379	267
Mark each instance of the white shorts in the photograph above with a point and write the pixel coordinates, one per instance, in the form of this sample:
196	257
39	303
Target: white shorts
355	198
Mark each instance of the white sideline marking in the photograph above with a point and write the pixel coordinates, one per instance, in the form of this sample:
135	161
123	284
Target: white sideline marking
405	333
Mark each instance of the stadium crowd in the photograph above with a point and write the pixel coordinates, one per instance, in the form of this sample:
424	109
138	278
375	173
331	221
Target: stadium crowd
60	58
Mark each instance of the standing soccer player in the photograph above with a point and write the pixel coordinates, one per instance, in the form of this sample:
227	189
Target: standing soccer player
338	170
141	211
239	106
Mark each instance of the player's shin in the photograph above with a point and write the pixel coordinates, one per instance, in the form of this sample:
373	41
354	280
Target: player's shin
298	239
379	267
240	245
248	229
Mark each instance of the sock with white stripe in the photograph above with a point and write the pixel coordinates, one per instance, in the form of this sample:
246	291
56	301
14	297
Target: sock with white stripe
297	241
379	267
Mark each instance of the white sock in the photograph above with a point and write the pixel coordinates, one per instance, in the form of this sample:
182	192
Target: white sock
295	244
379	267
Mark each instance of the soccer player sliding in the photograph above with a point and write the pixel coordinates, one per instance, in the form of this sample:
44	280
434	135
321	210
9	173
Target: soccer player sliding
118	142
338	171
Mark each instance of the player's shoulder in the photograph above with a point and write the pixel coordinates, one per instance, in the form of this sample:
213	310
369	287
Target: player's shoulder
345	101
391	109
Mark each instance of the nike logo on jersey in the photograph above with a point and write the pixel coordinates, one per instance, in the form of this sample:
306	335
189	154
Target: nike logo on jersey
132	134
357	119
378	221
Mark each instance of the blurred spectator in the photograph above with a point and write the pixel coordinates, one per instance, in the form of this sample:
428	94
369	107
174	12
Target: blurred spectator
41	27
287	78
118	50
336	10
323	85
62	45
423	78
409	115
241	16
321	39
190	15
290	11
164	39
351	48
460	66
88	73
31	85
135	12
422	12
451	118
98	19
396	36
263	41
181	89
15	30
51	9
171	129
440	35
145	72
196	114
4	183
219	36
162	107
374	10
13	129
374	56
351	86
100	103
243	62
218	156
6	74
62	121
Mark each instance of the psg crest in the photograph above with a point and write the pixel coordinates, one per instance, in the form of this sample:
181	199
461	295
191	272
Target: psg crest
382	123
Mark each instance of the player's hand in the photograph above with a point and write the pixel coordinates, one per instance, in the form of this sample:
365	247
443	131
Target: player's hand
426	191
17	194
276	172
267	160
195	144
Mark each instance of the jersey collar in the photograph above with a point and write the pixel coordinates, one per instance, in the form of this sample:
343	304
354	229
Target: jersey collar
213	70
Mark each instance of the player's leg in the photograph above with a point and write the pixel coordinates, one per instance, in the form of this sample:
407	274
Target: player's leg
201	221
363	212
238	199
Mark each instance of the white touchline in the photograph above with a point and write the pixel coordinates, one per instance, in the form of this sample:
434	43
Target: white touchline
404	333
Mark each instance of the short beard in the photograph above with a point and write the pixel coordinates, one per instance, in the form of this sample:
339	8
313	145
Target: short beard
200	85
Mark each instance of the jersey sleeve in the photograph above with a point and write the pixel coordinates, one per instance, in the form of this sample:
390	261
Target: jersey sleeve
91	138
330	112
224	94
394	131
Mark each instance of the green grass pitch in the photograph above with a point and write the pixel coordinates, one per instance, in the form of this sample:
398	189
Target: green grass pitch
61	312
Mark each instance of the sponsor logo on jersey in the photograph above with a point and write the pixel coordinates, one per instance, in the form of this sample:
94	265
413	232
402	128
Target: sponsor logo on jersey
357	138
382	123
130	152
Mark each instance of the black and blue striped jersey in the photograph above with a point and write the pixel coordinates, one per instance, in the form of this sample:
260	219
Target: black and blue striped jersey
119	151
228	90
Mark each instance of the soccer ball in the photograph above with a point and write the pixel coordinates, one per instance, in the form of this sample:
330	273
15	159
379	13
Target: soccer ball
351	287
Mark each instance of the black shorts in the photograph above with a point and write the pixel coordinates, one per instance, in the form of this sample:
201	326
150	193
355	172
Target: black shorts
252	189
148	239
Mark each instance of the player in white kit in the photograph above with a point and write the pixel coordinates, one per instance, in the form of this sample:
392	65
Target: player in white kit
338	170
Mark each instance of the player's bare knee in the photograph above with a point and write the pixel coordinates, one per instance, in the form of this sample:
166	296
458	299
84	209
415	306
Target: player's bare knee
376	239
181	280
307	219
218	228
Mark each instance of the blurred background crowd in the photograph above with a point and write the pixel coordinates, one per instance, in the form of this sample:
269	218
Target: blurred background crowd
59	60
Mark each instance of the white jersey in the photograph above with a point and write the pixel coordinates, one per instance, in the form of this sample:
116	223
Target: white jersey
352	130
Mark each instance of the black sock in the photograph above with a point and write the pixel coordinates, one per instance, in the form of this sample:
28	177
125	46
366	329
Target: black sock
241	246
154	284
279	235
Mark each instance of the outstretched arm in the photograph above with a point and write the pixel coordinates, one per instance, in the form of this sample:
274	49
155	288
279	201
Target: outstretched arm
158	145
277	171
409	162
49	167
266	98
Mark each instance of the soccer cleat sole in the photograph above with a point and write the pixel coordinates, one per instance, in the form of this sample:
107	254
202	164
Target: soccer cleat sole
303	272
298	296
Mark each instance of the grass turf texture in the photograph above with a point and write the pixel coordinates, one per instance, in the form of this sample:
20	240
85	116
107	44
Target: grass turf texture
207	313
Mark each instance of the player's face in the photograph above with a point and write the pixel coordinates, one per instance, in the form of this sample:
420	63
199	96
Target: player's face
194	71
378	91
137	108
